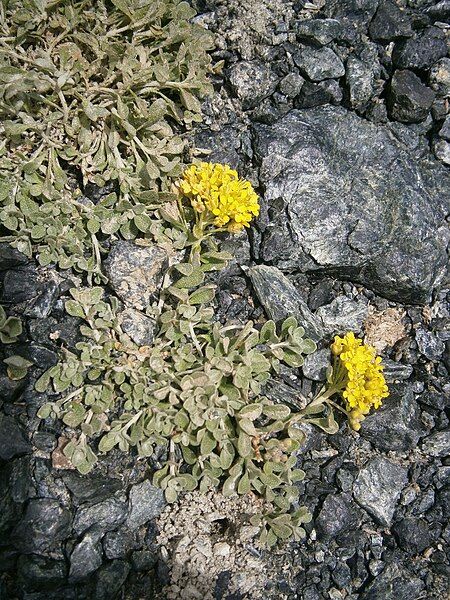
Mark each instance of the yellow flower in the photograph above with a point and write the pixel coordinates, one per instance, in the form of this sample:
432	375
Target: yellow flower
217	191
359	369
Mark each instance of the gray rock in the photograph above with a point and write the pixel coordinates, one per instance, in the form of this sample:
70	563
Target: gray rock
43	526
440	77
316	365
13	439
146	502
136	272
414	535
280	299
138	326
441	150
33	291
144	560
357	12
422	51
90	488
439	11
318	94
281	393
396	425
444	131
394	371
110	579
117	544
321	31
39	572
429	344
319	63
342	315
337	515
291	85
252	81
367	211
106	515
361	74
10	257
437	444
378	488
394	583
389	23
409	99
86	557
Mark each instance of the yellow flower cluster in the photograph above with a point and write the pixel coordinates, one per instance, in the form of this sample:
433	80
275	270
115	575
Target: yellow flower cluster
216	189
361	372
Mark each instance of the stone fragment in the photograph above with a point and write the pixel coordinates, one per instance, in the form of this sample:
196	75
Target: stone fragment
13	439
337	515
43	526
409	100
394	583
138	326
146	502
318	94
319	63
91	488
378	488
414	535
11	257
444	131
118	544
106	515
342	315
396	425
33	291
441	150
110	579
420	52
316	365
280	299
440	77
136	272
361	75
429	344
86	557
321	31
437	444
252	81
395	371
40	572
291	85
389	23
371	211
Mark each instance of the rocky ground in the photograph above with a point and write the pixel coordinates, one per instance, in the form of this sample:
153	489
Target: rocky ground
337	111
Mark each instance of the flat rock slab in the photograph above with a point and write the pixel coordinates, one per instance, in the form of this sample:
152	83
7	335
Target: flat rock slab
348	199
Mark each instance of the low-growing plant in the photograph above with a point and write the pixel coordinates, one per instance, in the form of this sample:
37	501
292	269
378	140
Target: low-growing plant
199	389
103	90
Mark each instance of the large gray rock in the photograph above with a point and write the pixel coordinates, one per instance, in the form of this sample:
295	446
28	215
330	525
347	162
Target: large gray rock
422	51
362	73
136	272
409	99
13	439
280	299
378	488
356	203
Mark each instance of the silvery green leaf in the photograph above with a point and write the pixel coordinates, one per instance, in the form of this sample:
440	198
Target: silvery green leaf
277	411
268	333
244	445
251	411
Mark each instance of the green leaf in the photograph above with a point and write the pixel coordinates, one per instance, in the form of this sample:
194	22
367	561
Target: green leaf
244	445
276	411
74	309
203	295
